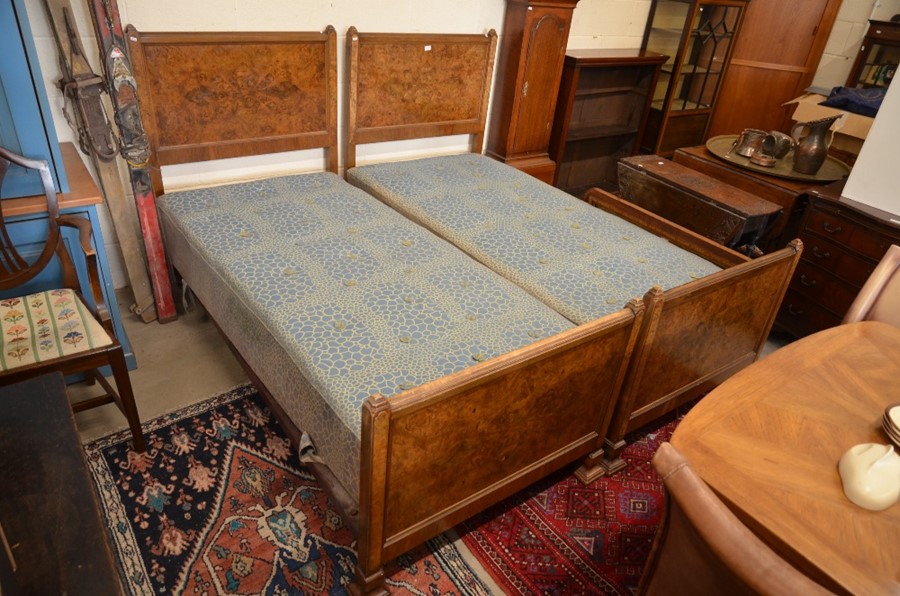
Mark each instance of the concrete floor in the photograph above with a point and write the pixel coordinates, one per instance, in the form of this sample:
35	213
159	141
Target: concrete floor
181	363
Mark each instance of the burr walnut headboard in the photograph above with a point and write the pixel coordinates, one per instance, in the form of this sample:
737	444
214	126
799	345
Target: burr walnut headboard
216	95
416	85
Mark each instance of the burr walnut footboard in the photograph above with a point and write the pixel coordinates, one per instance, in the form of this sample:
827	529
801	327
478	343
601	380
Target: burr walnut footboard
696	335
439	453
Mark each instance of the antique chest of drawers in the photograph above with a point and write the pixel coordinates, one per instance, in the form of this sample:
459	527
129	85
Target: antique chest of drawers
843	241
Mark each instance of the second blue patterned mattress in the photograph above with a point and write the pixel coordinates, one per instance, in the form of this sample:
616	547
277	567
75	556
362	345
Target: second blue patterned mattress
332	296
580	260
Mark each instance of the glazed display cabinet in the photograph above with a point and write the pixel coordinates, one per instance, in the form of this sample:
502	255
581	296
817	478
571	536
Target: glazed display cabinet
699	37
878	56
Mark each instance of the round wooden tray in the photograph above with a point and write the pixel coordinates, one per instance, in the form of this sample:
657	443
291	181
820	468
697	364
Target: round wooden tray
832	169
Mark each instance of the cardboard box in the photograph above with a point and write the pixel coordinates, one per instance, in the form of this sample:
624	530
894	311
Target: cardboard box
852	132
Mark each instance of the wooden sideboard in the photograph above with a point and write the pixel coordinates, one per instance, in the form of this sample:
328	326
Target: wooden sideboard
529	67
843	241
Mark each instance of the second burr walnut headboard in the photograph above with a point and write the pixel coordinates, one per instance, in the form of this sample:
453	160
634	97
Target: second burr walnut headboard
416	85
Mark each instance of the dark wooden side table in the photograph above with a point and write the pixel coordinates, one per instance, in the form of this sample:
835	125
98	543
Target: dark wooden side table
697	201
787	193
48	508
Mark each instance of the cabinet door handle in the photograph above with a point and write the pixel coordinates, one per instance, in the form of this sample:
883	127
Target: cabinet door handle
830	229
807	281
794	311
819	254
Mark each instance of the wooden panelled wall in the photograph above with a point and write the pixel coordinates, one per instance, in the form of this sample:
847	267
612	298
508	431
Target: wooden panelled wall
775	59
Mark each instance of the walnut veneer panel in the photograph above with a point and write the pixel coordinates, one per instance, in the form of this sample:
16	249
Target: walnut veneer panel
216	95
417	85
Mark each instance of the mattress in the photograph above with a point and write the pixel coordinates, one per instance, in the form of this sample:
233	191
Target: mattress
583	262
332	296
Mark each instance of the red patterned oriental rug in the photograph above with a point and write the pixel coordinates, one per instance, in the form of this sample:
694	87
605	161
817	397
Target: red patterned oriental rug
219	504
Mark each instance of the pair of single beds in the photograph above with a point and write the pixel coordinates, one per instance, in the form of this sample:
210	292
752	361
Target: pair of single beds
448	330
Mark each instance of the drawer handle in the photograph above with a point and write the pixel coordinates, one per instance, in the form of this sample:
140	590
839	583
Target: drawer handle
795	311
819	254
831	230
807	281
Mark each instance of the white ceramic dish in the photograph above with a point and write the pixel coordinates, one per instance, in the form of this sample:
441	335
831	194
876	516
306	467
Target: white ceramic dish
892	433
870	475
892	415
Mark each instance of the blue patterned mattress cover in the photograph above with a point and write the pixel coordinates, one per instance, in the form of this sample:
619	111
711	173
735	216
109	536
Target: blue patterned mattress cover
576	258
361	298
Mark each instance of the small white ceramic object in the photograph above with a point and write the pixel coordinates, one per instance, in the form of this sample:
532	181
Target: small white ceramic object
870	474
894	416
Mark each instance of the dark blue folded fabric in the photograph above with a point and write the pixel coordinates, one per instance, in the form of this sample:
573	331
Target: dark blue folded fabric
857	100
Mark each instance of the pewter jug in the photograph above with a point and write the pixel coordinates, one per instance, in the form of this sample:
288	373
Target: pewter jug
811	149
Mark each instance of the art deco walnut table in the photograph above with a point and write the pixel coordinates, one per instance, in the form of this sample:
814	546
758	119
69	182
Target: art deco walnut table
768	441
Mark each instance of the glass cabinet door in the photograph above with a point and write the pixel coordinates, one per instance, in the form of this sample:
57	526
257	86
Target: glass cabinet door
878	57
693	77
697	35
711	36
670	19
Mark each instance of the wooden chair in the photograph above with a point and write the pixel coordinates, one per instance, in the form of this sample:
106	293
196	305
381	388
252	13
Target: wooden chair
879	298
57	330
702	548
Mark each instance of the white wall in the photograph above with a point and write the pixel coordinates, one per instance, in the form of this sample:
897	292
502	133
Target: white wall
843	44
608	24
873	178
846	37
596	23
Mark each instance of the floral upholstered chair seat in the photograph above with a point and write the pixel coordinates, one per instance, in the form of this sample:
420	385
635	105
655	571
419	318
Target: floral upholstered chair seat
45	326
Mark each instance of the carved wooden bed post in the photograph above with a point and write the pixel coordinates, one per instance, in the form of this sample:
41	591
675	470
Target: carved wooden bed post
376	418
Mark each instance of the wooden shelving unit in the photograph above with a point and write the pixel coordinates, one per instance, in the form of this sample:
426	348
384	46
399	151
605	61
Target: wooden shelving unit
601	111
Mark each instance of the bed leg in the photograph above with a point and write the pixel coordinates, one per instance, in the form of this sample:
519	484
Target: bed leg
591	468
612	460
368	585
602	462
